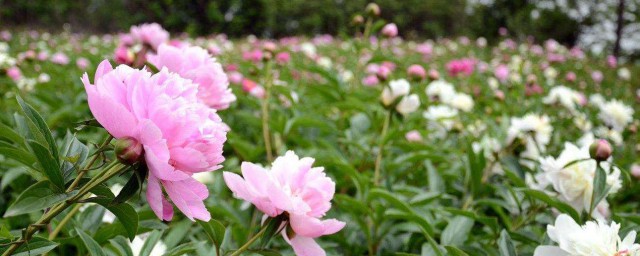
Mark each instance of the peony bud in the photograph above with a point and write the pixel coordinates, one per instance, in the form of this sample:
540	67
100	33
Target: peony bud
416	72
600	150
373	9
128	150
635	170
434	74
390	30
357	20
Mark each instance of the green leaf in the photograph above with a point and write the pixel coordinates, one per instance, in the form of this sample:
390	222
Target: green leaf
122	245
477	163
453	251
42	134
36	246
92	246
600	187
5	233
9	134
17	154
132	187
272	230
506	245
150	242
457	231
37	197
177	232
48	163
214	230
74	153
183	249
125	213
553	202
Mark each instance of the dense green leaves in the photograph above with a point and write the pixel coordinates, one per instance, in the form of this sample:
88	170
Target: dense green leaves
125	213
37	197
214	230
36	246
92	246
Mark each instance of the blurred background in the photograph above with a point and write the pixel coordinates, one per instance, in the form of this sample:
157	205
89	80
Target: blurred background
602	26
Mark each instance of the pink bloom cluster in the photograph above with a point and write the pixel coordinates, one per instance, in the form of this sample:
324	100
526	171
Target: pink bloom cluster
180	136
294	188
151	34
196	64
462	66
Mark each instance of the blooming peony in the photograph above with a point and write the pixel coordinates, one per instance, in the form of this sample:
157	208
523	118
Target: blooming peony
294	188
150	34
396	88
566	97
180	136
574	183
616	114
196	64
408	104
593	238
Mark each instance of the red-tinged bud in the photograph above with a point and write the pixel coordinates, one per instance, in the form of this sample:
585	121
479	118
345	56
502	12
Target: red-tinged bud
373	10
128	150
600	150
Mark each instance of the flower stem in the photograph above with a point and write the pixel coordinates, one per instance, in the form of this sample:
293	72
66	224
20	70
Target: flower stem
60	207
383	134
266	133
251	241
64	221
86	168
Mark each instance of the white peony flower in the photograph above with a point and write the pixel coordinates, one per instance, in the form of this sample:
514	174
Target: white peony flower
462	102
624	73
597	100
535	132
396	88
574	183
616	114
441	114
440	90
591	239
566	97
408	104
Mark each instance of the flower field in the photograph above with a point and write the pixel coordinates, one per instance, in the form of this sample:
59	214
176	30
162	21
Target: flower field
151	143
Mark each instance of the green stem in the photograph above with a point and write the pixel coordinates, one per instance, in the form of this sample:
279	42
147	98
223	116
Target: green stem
383	134
266	133
60	207
86	168
64	221
251	240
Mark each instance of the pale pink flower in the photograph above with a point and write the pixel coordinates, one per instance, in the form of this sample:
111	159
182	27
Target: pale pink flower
180	136
612	61
254	56
413	136
195	64
294	188
571	77
501	72
390	30
635	170
417	72
123	55
150	34
82	63
60	58
235	77
597	76
370	80
283	58
14	73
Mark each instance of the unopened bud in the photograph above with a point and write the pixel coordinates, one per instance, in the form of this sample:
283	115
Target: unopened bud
600	150
128	150
434	74
373	9
357	20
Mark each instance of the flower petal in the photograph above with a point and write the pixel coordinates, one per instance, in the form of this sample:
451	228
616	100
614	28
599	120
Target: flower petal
160	206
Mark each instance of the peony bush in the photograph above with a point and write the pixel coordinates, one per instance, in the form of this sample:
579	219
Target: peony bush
149	143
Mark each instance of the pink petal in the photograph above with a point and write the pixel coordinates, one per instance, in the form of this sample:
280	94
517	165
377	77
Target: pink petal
237	185
304	246
114	117
314	227
103	68
186	200
157	202
162	169
256	177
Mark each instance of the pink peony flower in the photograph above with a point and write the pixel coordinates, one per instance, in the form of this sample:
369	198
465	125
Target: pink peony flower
235	77
571	77
597	76
413	136
196	64
635	170
283	58
180	136
150	34
123	55
612	61
254	56
294	188
390	30
501	72
461	66
370	80
60	58
82	63
14	73
417	72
